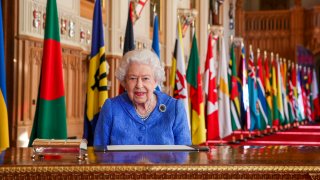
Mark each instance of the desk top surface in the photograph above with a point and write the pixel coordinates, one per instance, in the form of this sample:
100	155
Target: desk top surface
217	156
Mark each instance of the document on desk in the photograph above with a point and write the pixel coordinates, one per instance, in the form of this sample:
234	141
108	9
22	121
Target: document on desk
150	148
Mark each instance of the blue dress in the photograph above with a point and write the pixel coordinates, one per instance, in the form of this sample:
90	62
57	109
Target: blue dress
119	124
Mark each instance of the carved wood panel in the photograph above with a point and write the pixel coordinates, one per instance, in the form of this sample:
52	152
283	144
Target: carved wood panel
280	31
270	31
27	75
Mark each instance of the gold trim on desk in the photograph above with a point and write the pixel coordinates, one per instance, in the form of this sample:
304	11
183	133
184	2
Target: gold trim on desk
165	171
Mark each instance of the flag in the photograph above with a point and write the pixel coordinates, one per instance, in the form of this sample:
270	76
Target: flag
275	113
279	94
262	103
211	92
309	95
97	91
155	41
303	84
173	66
225	128
244	91
290	95
140	6
315	96
253	94
233	89
138	9
180	83
194	78
2	155
50	117
129	38
300	106
4	127
293	79
268	91
283	71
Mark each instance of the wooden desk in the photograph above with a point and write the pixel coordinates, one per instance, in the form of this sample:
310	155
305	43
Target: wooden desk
222	162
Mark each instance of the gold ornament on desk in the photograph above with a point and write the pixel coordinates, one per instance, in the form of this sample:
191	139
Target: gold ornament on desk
54	149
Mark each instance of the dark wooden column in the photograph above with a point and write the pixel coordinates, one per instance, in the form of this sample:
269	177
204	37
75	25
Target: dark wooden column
239	19
297	27
10	26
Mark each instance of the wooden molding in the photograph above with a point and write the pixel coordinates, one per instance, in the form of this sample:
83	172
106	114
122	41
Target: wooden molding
86	10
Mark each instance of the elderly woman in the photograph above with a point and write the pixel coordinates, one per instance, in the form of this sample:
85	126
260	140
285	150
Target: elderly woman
141	115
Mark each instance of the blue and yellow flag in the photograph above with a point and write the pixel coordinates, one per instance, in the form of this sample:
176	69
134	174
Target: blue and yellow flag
4	130
97	91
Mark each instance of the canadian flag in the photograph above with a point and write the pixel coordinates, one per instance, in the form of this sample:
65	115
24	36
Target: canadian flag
210	84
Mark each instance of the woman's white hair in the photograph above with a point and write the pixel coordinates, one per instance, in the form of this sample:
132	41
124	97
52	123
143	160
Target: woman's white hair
144	56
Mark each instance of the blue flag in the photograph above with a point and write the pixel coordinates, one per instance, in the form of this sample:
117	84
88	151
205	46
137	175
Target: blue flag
155	41
4	130
262	101
97	91
253	94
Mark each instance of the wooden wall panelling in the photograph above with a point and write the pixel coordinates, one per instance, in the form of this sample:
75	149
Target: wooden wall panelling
28	73
87	7
268	30
312	29
280	31
114	84
297	29
27	76
72	80
83	79
240	22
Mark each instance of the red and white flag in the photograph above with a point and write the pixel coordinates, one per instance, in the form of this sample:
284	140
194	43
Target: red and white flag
210	87
180	82
138	9
315	96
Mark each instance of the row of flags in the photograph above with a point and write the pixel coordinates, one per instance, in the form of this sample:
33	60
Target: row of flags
256	95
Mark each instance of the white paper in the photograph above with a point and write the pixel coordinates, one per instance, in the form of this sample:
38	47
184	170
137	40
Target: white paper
149	147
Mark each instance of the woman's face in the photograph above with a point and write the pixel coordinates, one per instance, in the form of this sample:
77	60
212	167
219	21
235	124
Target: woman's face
140	83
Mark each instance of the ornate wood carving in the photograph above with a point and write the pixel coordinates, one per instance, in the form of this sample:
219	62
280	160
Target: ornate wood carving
280	31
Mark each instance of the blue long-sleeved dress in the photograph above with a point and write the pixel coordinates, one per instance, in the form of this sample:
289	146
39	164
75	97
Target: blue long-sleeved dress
119	124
